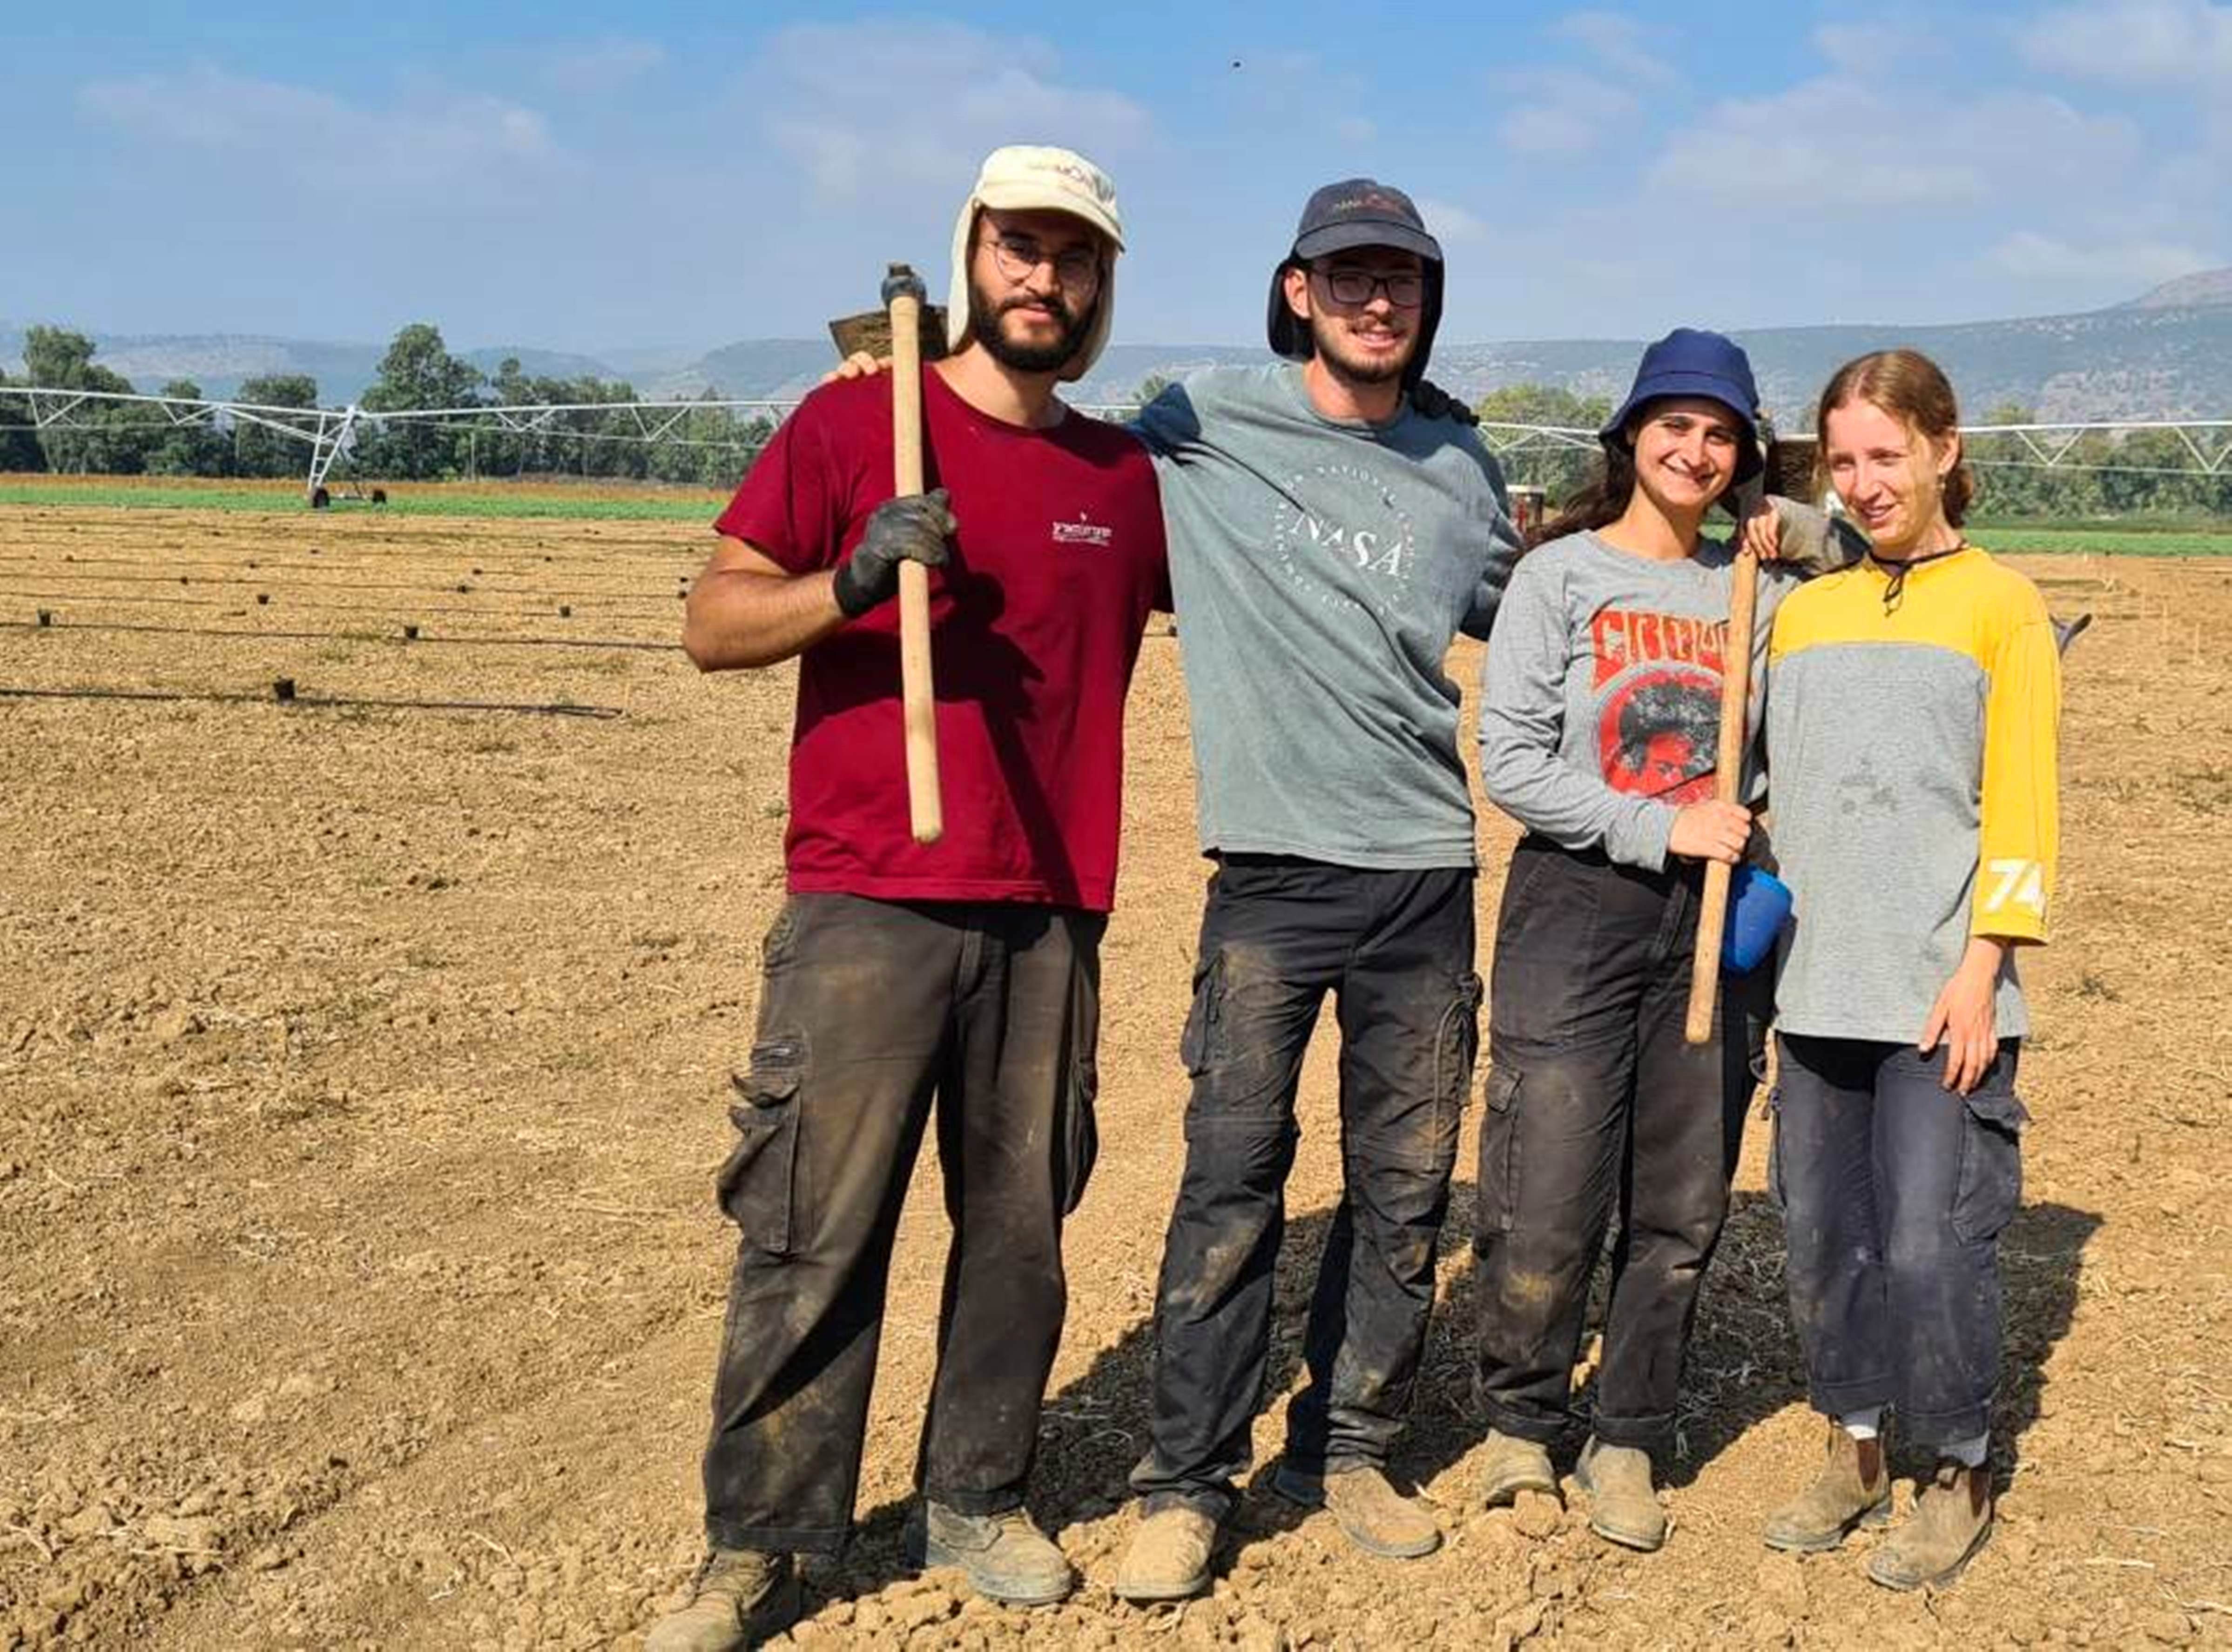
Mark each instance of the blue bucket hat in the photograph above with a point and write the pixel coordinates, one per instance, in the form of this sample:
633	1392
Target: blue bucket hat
1690	361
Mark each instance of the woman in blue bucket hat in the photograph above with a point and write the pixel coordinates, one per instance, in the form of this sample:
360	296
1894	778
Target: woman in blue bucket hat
1601	707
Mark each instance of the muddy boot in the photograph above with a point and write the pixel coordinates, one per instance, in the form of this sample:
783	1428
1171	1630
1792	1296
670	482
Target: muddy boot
1005	1557
1853	1490
1951	1520
1169	1557
1375	1517
1623	1506
741	1598
1510	1465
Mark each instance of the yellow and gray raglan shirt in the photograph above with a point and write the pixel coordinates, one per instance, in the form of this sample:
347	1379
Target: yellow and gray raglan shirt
1910	748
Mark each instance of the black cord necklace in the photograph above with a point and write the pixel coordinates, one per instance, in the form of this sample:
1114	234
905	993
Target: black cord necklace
1895	589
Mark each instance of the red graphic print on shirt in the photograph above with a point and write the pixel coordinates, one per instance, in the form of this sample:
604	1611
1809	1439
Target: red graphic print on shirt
1661	717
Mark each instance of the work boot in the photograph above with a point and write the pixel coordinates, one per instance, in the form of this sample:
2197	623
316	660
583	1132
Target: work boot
1377	1518
1169	1557
1004	1557
1950	1521
1510	1465
741	1598
1623	1506
1853	1490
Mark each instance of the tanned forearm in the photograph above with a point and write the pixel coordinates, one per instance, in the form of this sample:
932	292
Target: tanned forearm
744	610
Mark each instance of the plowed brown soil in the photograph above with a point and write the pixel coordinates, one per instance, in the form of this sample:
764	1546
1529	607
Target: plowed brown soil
361	1077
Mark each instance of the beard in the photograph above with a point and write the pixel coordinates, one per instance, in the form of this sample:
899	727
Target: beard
984	327
1332	347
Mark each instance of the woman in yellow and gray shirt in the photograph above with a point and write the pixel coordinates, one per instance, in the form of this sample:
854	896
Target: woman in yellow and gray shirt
1911	708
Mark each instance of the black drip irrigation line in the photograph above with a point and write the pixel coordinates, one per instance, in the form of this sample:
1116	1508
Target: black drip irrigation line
410	636
283	693
464	587
695	558
234	606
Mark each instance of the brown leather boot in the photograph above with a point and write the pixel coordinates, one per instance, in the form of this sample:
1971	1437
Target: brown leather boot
741	1598
1853	1490
1168	1559
1374	1516
1951	1520
1510	1465
1624	1506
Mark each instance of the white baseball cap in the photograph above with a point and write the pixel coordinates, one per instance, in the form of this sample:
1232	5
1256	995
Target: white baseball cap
1034	178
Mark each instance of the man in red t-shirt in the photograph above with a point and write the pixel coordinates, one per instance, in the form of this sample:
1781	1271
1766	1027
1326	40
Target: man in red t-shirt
964	972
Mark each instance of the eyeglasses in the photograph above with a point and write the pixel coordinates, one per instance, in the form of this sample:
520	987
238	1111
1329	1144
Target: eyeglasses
1406	290
1019	256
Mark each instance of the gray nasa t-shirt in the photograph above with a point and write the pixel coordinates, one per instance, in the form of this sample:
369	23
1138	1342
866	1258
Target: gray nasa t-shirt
1322	569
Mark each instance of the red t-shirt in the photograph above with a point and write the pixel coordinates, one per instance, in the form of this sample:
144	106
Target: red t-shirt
1035	625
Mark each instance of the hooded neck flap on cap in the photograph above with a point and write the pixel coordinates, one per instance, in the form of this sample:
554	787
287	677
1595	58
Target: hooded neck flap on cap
1357	212
1034	178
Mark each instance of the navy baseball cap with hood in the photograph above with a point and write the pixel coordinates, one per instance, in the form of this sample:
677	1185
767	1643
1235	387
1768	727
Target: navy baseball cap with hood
1358	212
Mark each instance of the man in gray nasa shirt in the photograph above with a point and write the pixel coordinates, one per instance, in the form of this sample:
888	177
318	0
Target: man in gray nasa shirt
1327	538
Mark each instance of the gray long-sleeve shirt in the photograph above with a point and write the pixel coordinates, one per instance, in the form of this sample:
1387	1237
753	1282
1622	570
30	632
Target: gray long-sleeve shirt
1321	570
1600	700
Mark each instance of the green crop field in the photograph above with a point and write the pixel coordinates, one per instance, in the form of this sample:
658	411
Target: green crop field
609	501
403	500
2072	539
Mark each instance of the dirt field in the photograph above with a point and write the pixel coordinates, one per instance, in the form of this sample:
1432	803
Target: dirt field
362	1072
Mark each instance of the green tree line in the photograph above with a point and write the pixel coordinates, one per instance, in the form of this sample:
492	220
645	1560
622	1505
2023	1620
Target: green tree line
2120	473
705	446
2108	474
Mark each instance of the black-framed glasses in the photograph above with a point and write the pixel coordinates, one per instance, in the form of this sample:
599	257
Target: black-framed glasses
1406	290
1018	256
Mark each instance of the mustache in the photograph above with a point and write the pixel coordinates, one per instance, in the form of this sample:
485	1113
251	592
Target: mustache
1052	303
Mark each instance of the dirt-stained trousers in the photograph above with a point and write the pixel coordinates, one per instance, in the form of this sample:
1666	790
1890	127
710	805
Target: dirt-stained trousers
1396	950
1894	1191
871	1011
1599	1110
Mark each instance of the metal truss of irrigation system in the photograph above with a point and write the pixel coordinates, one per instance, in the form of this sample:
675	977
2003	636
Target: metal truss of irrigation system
329	433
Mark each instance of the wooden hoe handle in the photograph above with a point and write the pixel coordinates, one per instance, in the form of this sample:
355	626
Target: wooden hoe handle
1728	783
902	297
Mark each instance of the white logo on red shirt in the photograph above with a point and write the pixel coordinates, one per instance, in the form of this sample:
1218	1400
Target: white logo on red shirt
1083	531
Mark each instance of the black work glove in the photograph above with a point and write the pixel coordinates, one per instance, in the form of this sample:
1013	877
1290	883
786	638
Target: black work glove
1431	401
900	530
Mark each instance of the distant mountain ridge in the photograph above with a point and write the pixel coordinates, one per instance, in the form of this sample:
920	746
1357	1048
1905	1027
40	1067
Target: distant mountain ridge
2166	354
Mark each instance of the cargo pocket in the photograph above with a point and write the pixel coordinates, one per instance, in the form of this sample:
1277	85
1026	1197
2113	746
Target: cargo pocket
754	1187
1774	1194
1456	1045
1991	1186
1080	1128
1196	1041
1081	1133
1499	1153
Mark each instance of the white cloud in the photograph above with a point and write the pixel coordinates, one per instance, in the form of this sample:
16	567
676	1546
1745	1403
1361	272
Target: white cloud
600	65
1451	223
2135	42
1354	129
458	144
1840	145
1564	114
825	94
1876	48
1619	43
2113	262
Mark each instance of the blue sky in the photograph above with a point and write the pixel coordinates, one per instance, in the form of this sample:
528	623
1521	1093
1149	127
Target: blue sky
589	177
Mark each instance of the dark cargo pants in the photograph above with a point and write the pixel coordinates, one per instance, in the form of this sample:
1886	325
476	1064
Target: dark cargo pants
869	1011
1894	1191
1396	949
1598	1109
